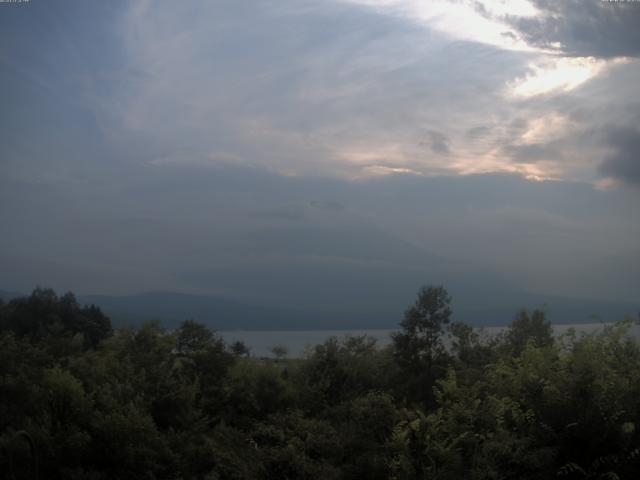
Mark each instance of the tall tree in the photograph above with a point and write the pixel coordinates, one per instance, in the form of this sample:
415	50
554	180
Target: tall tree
419	345
525	328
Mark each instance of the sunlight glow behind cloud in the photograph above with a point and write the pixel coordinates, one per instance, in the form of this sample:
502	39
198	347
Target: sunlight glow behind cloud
558	74
545	129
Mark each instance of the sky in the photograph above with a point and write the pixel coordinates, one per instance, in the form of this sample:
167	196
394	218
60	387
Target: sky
336	152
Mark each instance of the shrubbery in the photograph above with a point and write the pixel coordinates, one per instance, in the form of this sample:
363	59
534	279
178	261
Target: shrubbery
80	401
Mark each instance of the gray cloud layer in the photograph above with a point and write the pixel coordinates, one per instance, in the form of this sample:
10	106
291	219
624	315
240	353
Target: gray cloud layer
624	161
223	231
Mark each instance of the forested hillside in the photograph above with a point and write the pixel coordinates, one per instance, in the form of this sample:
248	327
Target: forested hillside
80	400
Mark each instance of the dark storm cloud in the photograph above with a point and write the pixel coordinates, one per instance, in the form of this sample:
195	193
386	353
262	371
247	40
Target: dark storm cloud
624	161
584	27
438	142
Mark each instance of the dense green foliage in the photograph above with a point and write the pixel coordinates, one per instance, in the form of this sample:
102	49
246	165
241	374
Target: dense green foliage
80	401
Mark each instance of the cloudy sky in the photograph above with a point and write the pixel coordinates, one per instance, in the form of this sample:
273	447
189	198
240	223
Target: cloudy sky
321	152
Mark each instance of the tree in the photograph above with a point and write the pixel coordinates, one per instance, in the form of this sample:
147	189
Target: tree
524	328
279	351
463	338
240	349
43	316
193	337
419	345
420	341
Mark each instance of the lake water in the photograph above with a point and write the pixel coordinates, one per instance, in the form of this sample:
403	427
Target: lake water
298	342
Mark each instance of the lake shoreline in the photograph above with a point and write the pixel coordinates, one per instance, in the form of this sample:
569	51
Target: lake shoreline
297	342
